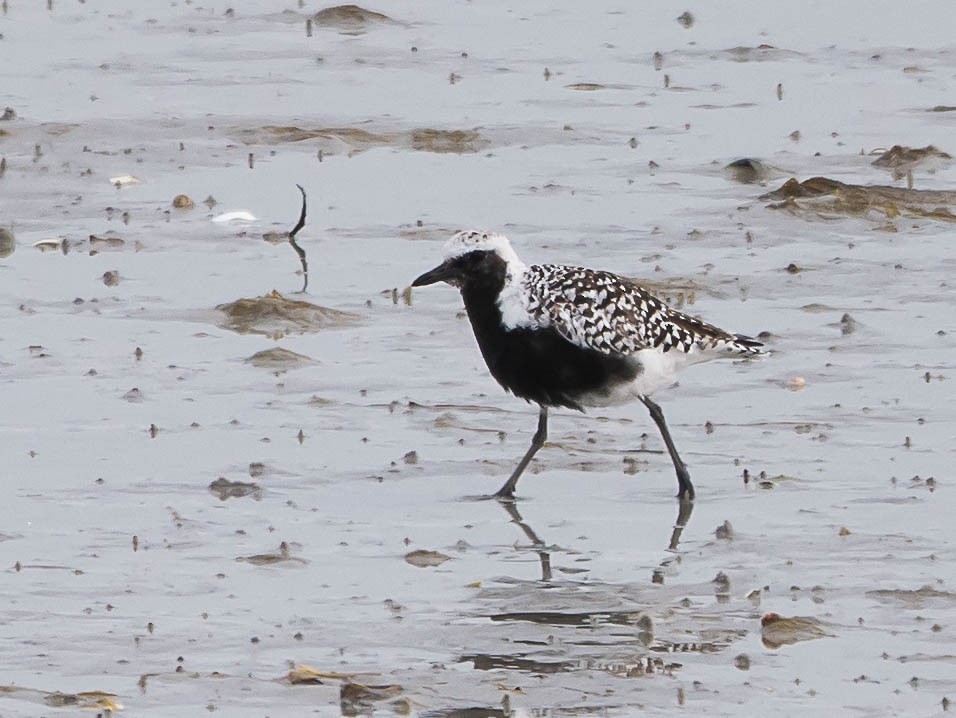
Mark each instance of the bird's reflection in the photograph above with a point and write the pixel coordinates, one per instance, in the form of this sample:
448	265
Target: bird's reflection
684	510
543	556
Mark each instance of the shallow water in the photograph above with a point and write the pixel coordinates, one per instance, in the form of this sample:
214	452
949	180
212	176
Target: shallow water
122	568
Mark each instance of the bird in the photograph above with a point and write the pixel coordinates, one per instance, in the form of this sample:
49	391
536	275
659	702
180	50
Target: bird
573	337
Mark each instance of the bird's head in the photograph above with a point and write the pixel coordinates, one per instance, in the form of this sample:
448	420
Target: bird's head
474	257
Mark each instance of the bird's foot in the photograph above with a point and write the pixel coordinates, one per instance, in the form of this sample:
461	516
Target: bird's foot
504	496
498	496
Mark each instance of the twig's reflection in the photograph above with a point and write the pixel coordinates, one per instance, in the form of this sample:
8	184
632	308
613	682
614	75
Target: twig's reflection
295	245
543	556
684	510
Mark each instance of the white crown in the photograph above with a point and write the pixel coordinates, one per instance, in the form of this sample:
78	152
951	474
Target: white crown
475	240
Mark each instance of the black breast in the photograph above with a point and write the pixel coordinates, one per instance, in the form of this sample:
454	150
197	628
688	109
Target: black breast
540	365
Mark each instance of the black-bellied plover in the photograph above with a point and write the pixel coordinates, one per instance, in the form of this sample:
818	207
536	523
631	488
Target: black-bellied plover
575	337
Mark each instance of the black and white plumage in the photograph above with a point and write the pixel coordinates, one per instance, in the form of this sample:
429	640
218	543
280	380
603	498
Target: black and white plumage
575	337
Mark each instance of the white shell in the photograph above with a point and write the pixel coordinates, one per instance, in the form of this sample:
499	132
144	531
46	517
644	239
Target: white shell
239	216
48	245
123	180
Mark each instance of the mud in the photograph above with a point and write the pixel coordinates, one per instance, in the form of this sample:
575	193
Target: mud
902	162
279	359
276	316
827	198
349	18
184	532
352	140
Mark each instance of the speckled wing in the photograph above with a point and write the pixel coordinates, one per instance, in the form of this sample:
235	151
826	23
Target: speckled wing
602	311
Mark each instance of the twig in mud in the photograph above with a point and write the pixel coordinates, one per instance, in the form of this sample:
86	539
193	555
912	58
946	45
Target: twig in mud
295	245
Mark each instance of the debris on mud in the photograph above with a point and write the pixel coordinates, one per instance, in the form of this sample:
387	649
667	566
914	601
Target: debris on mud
446	141
760	53
420	231
903	161
776	631
827	199
354	138
87	700
356	699
182	201
686	19
225	489
847	324
268	559
275	316
749	171
51	245
124	180
107	241
8	243
237	216
426	559
304	674
279	359
913	598
134	396
725	531
349	19
351	140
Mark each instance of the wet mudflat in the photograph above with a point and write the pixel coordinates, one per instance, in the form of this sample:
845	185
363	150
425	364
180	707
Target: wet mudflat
273	513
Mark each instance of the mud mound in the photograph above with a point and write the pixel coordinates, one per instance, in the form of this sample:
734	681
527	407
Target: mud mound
826	199
275	315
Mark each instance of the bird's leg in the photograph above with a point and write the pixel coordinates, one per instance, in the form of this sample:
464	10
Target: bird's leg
685	489
507	491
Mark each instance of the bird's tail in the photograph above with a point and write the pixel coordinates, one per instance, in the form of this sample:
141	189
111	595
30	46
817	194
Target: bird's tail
744	346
